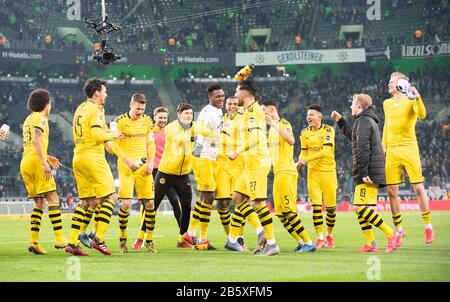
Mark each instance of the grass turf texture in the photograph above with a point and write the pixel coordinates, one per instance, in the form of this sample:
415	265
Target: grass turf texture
414	261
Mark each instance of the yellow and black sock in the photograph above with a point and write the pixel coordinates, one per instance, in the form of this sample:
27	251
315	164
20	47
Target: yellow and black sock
35	225
150	223
104	218
236	225
142	229
373	218
296	223
54	214
249	214
266	221
331	219
205	217
426	216
318	219
77	221
397	218
195	219
367	230
123	223
96	213
87	219
289	228
225	219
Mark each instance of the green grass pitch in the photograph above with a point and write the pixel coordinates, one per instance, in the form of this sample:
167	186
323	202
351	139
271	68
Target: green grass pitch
414	261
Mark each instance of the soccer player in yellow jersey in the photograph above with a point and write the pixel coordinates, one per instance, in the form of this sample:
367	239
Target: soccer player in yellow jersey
317	150
228	171
95	182
36	171
160	116
176	163
402	151
252	183
137	144
281	145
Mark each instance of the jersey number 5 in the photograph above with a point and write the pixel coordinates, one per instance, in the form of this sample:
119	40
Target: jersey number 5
79	127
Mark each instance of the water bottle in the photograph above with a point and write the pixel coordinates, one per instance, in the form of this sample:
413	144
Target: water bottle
5	128
141	162
113	126
241	74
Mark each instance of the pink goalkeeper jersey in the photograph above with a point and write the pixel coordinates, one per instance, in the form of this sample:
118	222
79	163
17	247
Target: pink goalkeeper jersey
160	142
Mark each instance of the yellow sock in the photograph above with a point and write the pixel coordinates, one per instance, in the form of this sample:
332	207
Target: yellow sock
371	216
150	222
104	218
142	229
397	218
367	231
204	220
266	221
248	213
54	214
331	219
426	216
296	223
87	219
289	228
225	219
35	223
123	223
195	219
317	219
236	225
77	221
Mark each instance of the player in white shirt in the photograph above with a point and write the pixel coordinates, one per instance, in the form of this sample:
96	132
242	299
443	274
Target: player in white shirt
204	166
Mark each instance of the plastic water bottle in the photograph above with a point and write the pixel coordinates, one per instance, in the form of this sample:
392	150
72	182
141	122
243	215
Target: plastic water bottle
5	128
141	162
241	74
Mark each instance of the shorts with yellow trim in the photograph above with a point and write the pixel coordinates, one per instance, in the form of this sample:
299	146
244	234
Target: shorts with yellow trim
366	195
33	177
139	179
322	187
94	178
285	192
204	171
403	157
253	183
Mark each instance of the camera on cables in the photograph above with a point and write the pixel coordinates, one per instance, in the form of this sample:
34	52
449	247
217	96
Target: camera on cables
105	54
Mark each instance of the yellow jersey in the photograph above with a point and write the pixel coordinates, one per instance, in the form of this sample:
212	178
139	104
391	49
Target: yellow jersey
281	151
317	147
138	136
177	156
89	118
228	139
253	139
35	120
400	121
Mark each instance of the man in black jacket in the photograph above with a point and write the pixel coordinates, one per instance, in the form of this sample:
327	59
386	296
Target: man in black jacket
368	169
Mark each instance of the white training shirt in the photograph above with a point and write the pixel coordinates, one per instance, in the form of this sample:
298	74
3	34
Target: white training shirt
213	117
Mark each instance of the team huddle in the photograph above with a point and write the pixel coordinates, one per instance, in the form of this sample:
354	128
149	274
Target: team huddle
231	156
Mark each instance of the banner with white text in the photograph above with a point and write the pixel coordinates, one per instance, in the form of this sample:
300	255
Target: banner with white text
322	56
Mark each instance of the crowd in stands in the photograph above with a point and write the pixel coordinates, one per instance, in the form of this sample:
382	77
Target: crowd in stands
163	25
